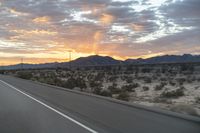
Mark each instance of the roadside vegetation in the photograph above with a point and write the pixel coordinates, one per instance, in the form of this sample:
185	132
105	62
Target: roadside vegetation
161	85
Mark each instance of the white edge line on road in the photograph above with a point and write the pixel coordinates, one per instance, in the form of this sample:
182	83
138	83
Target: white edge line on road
51	108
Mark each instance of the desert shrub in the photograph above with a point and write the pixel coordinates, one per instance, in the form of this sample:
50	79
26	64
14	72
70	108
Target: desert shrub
94	84
114	71
197	99
147	80
70	83
172	83
163	83
99	76
113	78
160	86
129	79
130	87
154	77
197	87
158	74
50	80
146	70
162	100
141	78
96	87
194	78
189	79
135	85
128	72
186	67
90	77
180	80
24	74
80	82
163	79
57	81
119	68
106	93
145	88
164	70
129	68
97	90
124	77
183	67
123	96
173	94
182	88
114	89
2	71
127	88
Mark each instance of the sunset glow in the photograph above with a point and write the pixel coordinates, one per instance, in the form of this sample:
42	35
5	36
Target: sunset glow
45	30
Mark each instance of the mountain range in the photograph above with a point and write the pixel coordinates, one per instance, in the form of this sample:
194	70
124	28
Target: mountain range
96	60
166	59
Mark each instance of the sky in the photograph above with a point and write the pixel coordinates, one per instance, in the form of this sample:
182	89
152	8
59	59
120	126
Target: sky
46	30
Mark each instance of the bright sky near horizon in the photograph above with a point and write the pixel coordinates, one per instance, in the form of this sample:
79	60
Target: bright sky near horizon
45	30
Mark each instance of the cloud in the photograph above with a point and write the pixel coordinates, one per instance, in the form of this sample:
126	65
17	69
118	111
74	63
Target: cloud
42	20
121	28
183	12
106	18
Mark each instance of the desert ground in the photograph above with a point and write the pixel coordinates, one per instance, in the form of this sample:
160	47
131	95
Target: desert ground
174	87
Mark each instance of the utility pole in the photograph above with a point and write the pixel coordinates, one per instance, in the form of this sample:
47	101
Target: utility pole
2	66
22	60
70	57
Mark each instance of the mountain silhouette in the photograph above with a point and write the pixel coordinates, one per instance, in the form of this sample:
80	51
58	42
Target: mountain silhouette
96	60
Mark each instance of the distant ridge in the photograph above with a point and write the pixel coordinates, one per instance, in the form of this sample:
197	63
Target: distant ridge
166	59
96	60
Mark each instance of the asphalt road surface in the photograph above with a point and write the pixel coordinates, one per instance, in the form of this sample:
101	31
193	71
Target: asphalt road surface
29	107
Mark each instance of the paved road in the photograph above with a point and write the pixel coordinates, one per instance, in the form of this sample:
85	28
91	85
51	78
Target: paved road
28	107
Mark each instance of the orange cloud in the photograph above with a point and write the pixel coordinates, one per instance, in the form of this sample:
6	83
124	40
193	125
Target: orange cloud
106	19
137	27
17	13
35	32
42	20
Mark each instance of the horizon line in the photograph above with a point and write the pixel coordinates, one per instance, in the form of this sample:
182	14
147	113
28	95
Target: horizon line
2	65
